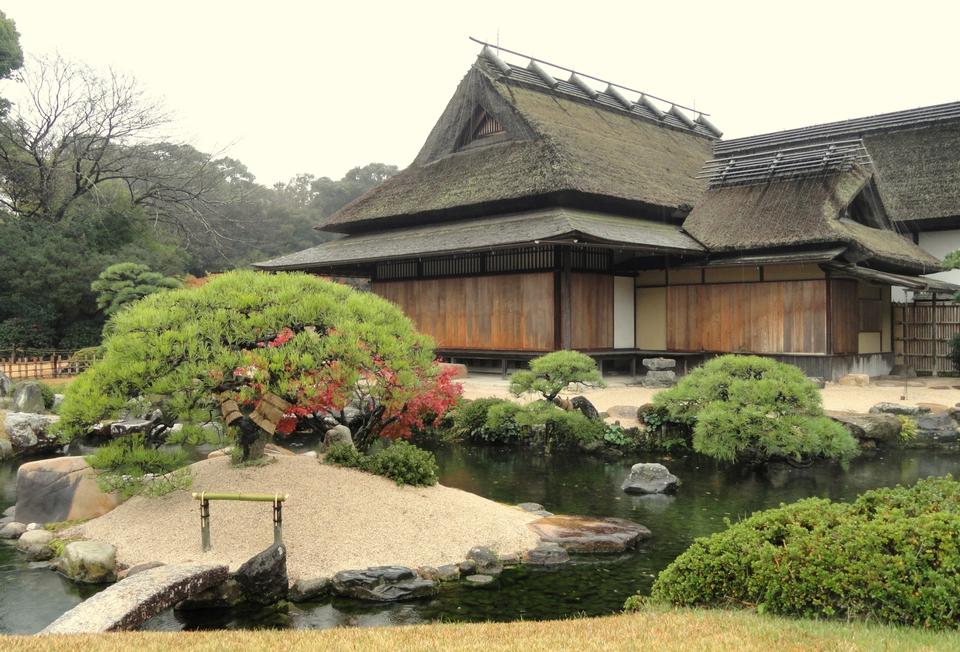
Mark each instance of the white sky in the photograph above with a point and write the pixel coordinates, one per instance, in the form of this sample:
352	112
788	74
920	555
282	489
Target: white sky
320	87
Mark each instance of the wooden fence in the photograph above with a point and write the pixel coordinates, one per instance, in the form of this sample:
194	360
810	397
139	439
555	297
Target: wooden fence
921	334
19	364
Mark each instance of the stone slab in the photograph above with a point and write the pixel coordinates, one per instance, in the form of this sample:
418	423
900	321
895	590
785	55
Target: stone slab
129	603
584	534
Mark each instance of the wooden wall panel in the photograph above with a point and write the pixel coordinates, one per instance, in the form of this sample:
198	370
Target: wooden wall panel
510	312
844	315
591	304
775	317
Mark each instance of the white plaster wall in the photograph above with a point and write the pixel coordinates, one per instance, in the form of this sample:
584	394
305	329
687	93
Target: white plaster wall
938	243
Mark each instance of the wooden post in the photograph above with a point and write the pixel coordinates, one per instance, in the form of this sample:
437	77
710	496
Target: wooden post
205	524
936	332
566	300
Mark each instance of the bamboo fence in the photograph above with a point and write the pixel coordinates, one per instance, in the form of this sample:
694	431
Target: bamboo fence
922	331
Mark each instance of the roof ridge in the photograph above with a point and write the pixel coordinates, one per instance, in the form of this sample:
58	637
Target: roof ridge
611	98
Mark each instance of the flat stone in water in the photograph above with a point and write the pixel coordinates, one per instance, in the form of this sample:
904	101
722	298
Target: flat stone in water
478	580
583	534
547	554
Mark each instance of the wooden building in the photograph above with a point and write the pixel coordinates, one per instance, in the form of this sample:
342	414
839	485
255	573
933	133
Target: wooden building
543	214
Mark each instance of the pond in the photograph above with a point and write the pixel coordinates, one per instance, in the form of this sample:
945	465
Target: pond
567	483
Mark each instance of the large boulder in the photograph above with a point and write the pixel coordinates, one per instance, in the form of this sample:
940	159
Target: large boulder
339	434
383	584
884	429
89	562
6	385
263	578
936	428
650	478
655	378
583	534
27	397
29	432
60	489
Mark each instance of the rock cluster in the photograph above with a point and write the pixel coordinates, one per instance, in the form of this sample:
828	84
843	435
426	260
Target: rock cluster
383	584
28	433
660	372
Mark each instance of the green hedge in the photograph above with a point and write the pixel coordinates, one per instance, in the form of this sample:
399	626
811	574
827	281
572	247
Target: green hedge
748	408
893	555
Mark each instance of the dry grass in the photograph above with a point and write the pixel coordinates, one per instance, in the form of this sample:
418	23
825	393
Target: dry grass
662	631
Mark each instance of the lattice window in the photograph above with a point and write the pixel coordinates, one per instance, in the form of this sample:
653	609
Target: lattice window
481	125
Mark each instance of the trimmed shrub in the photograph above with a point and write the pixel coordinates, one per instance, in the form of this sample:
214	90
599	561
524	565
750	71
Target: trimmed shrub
404	463
342	454
752	408
318	345
472	421
893	555
401	461
551	374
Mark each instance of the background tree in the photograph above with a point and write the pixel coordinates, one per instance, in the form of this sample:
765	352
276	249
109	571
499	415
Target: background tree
88	180
124	283
11	55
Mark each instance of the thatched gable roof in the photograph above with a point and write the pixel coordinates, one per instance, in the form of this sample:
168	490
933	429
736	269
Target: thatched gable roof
915	154
555	144
806	211
544	226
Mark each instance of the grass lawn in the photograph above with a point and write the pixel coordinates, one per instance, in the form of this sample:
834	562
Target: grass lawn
655	630
57	384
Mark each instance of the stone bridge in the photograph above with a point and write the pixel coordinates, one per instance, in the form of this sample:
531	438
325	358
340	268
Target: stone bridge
132	601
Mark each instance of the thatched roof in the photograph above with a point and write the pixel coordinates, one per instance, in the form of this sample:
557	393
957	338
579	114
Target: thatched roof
555	144
915	153
806	211
483	234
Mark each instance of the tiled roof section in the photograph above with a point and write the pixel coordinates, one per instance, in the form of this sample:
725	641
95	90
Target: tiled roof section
503	231
853	128
614	97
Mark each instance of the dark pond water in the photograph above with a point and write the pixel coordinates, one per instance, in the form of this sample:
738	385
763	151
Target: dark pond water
563	483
